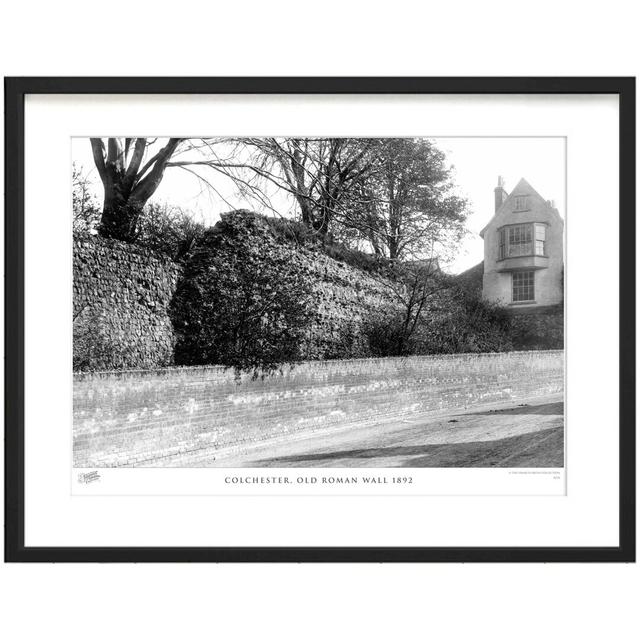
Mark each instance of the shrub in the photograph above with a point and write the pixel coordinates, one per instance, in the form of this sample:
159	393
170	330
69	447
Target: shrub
347	341
463	324
242	302
538	331
168	230
386	336
452	321
302	235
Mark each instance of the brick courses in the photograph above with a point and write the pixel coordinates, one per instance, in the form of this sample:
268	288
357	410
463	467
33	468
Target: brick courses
159	418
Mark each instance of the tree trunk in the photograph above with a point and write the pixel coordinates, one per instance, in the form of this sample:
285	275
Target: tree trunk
127	188
120	219
321	225
306	210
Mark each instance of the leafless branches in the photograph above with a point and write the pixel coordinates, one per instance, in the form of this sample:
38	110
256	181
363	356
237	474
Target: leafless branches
392	194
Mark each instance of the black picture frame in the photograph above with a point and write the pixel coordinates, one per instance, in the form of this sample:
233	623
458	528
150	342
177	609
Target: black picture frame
15	91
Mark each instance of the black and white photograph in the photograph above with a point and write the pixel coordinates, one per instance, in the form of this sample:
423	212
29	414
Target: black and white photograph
321	320
341	302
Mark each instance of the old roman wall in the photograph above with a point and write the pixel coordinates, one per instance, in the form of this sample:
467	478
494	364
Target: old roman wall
342	298
345	299
121	296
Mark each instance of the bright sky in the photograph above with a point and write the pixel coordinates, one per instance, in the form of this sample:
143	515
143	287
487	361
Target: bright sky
479	161
477	164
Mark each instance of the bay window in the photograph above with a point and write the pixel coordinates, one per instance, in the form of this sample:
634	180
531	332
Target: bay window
541	238
522	240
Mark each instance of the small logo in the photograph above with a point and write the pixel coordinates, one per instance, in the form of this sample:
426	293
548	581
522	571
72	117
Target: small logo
87	477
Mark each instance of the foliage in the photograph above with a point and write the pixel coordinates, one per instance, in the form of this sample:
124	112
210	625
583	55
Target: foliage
461	323
301	235
413	288
405	205
86	210
349	341
538	331
449	319
386	336
169	230
242	302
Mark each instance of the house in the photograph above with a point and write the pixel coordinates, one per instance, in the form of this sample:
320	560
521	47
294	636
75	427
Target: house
523	250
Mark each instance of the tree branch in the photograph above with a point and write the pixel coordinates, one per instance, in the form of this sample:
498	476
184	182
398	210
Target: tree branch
115	154
97	147
147	186
136	159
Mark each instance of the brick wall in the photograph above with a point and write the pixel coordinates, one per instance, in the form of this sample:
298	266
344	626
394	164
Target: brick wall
171	416
121	296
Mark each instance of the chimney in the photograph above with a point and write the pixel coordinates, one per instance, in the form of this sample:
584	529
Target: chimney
500	193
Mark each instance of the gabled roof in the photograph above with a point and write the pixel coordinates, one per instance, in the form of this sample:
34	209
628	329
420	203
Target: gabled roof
522	188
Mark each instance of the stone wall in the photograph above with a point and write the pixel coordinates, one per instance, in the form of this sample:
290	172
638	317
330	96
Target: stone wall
341	297
184	416
121	297
345	298
125	302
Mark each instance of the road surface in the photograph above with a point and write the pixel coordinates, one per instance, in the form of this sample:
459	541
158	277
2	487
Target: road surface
524	435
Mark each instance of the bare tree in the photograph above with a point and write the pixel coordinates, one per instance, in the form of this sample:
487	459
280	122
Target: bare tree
128	183
86	210
410	287
393	193
321	174
168	229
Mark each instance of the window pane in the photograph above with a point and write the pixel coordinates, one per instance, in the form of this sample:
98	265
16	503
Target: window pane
520	240
541	232
523	286
539	248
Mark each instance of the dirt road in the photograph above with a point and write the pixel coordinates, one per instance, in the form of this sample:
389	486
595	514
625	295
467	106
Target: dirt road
527	435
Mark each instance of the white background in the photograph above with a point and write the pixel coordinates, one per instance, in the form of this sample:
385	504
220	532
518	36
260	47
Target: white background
319	601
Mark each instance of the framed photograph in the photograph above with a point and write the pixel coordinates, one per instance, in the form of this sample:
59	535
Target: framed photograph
320	319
